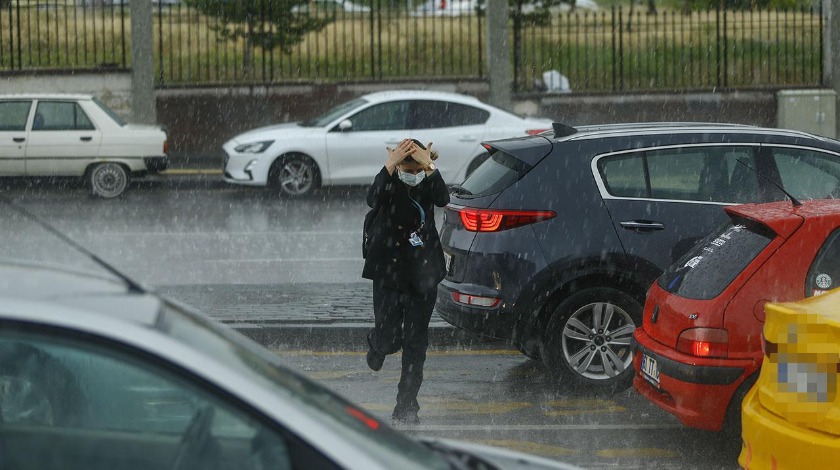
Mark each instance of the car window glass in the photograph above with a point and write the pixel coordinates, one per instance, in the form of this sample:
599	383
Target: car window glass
706	270
624	175
381	117
824	274
743	179
496	173
60	116
687	174
427	114
101	407
13	115
807	174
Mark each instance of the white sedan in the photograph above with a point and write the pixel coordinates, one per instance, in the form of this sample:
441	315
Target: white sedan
346	146
76	135
96	374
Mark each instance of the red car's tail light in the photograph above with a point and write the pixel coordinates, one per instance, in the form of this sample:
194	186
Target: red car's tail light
474	300
704	342
490	220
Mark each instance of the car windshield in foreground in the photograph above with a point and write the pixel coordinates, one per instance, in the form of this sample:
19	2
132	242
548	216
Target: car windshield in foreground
705	271
495	174
321	404
334	113
109	111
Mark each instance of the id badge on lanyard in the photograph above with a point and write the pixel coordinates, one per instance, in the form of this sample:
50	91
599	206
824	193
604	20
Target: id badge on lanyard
414	238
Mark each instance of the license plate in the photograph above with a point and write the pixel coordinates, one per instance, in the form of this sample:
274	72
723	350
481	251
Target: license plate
650	369
447	259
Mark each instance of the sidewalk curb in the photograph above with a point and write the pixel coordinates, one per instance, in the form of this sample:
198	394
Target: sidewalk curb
348	336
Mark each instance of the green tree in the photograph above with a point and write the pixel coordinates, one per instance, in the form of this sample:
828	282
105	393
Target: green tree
267	24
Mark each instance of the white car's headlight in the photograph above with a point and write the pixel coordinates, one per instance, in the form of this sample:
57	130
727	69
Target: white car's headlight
254	147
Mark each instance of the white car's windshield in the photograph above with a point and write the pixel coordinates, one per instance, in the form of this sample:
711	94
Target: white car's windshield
334	113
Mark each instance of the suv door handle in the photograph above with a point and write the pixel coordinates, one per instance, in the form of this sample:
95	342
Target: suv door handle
19	139
642	225
85	139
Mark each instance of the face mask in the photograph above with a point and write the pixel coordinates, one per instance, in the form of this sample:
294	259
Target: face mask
409	179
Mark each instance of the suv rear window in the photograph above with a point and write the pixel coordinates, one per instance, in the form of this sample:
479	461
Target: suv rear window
494	175
705	271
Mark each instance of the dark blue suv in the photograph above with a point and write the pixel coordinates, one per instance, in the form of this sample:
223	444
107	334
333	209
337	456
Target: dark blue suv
553	241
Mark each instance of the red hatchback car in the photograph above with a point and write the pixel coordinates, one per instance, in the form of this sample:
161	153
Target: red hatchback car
699	348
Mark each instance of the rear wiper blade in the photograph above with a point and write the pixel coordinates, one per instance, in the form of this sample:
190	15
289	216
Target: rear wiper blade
458	189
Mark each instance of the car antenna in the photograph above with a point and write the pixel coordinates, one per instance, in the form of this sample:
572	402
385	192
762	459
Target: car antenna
793	200
132	286
562	130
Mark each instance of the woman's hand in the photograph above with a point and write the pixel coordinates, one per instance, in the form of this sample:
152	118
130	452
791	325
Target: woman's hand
422	156
397	155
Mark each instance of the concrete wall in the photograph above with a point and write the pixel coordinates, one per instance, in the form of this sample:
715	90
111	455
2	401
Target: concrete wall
113	88
200	120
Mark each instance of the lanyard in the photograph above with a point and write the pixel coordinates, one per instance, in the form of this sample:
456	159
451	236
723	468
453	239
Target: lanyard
420	209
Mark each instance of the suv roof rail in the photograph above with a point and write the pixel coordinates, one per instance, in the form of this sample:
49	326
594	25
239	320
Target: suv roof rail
562	130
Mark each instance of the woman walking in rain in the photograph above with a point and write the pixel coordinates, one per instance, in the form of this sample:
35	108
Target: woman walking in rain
404	260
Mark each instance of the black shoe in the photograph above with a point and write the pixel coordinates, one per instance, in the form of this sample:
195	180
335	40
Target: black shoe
374	359
405	417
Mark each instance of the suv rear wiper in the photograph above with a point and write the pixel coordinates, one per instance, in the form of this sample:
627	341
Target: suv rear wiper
460	190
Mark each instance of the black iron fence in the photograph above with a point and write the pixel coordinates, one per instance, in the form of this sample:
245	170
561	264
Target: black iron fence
606	50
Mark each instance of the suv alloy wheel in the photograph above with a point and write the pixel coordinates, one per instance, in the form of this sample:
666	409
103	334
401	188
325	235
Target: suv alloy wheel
587	340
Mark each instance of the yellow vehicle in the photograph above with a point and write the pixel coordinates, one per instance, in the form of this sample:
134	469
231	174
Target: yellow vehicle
791	417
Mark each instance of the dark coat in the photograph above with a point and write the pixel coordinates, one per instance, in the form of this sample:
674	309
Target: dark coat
392	260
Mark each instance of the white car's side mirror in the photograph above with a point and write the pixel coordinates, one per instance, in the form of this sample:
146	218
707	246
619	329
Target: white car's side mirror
345	125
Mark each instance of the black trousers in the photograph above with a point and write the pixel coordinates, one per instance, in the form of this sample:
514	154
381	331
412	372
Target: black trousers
402	322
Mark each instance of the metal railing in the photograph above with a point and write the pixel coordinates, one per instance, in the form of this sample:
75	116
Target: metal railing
608	50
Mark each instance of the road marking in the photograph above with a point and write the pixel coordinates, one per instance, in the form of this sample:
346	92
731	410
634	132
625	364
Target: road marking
529	447
540	427
581	406
453	352
193	171
636	452
434	406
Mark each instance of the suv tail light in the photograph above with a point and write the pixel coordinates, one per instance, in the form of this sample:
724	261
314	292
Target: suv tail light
166	147
704	342
491	220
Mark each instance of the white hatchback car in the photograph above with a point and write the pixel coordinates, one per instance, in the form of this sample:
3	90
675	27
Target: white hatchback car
76	135
346	146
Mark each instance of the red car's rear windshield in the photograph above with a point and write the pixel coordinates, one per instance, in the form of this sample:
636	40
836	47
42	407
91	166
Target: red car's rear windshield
705	271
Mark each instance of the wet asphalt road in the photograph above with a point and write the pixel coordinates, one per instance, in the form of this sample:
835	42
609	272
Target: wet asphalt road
182	238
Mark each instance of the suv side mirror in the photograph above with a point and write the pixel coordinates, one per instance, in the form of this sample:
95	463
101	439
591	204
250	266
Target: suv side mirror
345	125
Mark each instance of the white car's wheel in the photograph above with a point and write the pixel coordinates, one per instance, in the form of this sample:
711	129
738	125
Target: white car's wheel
294	175
108	180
